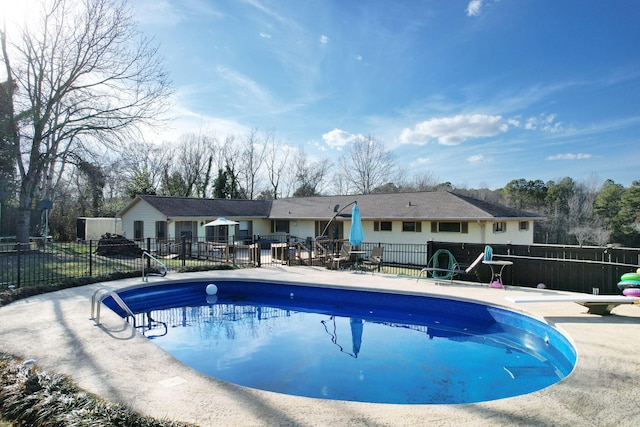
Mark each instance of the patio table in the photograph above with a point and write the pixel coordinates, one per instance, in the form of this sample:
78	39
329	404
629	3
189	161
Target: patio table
496	269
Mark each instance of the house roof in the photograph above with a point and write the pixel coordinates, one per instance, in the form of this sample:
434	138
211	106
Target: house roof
188	207
443	205
436	205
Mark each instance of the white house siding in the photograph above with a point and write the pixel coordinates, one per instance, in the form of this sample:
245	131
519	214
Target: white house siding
149	215
258	226
478	232
143	212
261	226
512	234
303	229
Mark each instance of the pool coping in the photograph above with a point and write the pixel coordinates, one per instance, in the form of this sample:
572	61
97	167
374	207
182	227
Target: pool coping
118	364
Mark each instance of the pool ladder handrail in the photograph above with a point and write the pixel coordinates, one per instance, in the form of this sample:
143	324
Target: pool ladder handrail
106	292
146	276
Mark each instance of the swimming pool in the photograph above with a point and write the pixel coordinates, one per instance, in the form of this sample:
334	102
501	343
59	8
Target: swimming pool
347	344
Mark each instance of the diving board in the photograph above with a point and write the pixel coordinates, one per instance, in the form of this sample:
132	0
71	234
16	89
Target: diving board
597	304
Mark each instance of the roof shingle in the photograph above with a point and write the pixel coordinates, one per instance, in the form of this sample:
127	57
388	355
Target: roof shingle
439	205
176	207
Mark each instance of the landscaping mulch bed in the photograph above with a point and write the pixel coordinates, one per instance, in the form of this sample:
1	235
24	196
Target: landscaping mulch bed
31	397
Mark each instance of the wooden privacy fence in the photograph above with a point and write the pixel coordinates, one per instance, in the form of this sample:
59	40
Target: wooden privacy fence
568	268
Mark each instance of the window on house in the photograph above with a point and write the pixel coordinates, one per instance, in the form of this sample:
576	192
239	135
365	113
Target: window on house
161	230
412	226
210	234
187	230
138	230
320	227
499	227
524	225
449	227
245	230
382	226
280	226
335	230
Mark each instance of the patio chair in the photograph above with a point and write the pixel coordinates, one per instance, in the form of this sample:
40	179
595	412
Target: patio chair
375	260
344	256
452	268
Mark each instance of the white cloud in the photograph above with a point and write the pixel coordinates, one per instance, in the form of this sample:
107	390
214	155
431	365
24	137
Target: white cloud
358	57
477	158
265	35
338	138
543	122
454	130
324	39
243	85
154	12
421	161
514	121
186	120
169	13
473	8
569	156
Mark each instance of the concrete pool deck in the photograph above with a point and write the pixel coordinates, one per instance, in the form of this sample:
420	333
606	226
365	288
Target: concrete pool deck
120	365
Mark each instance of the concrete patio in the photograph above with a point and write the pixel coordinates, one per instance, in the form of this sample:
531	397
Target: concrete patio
120	365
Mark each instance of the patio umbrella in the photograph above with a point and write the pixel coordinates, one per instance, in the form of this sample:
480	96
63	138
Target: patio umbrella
220	222
356	334
355	233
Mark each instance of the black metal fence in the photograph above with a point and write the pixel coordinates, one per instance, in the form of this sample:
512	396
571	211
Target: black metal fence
560	267
43	262
570	268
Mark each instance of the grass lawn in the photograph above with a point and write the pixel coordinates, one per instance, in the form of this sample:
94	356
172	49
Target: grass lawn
63	261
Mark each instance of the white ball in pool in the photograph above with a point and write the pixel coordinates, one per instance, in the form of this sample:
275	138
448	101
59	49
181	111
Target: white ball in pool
212	289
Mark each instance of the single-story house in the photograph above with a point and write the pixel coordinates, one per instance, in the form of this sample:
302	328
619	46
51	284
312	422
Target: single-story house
386	218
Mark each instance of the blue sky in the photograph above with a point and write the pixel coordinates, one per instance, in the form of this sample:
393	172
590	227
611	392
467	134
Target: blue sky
476	92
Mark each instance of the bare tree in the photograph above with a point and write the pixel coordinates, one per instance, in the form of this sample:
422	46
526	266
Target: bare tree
145	157
195	162
276	160
310	175
601	236
424	182
82	72
341	184
227	183
252	159
367	164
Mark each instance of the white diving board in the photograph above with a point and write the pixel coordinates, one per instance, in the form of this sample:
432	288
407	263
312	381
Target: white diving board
597	304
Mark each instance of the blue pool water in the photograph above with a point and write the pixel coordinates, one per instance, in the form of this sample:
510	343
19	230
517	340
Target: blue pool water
351	345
